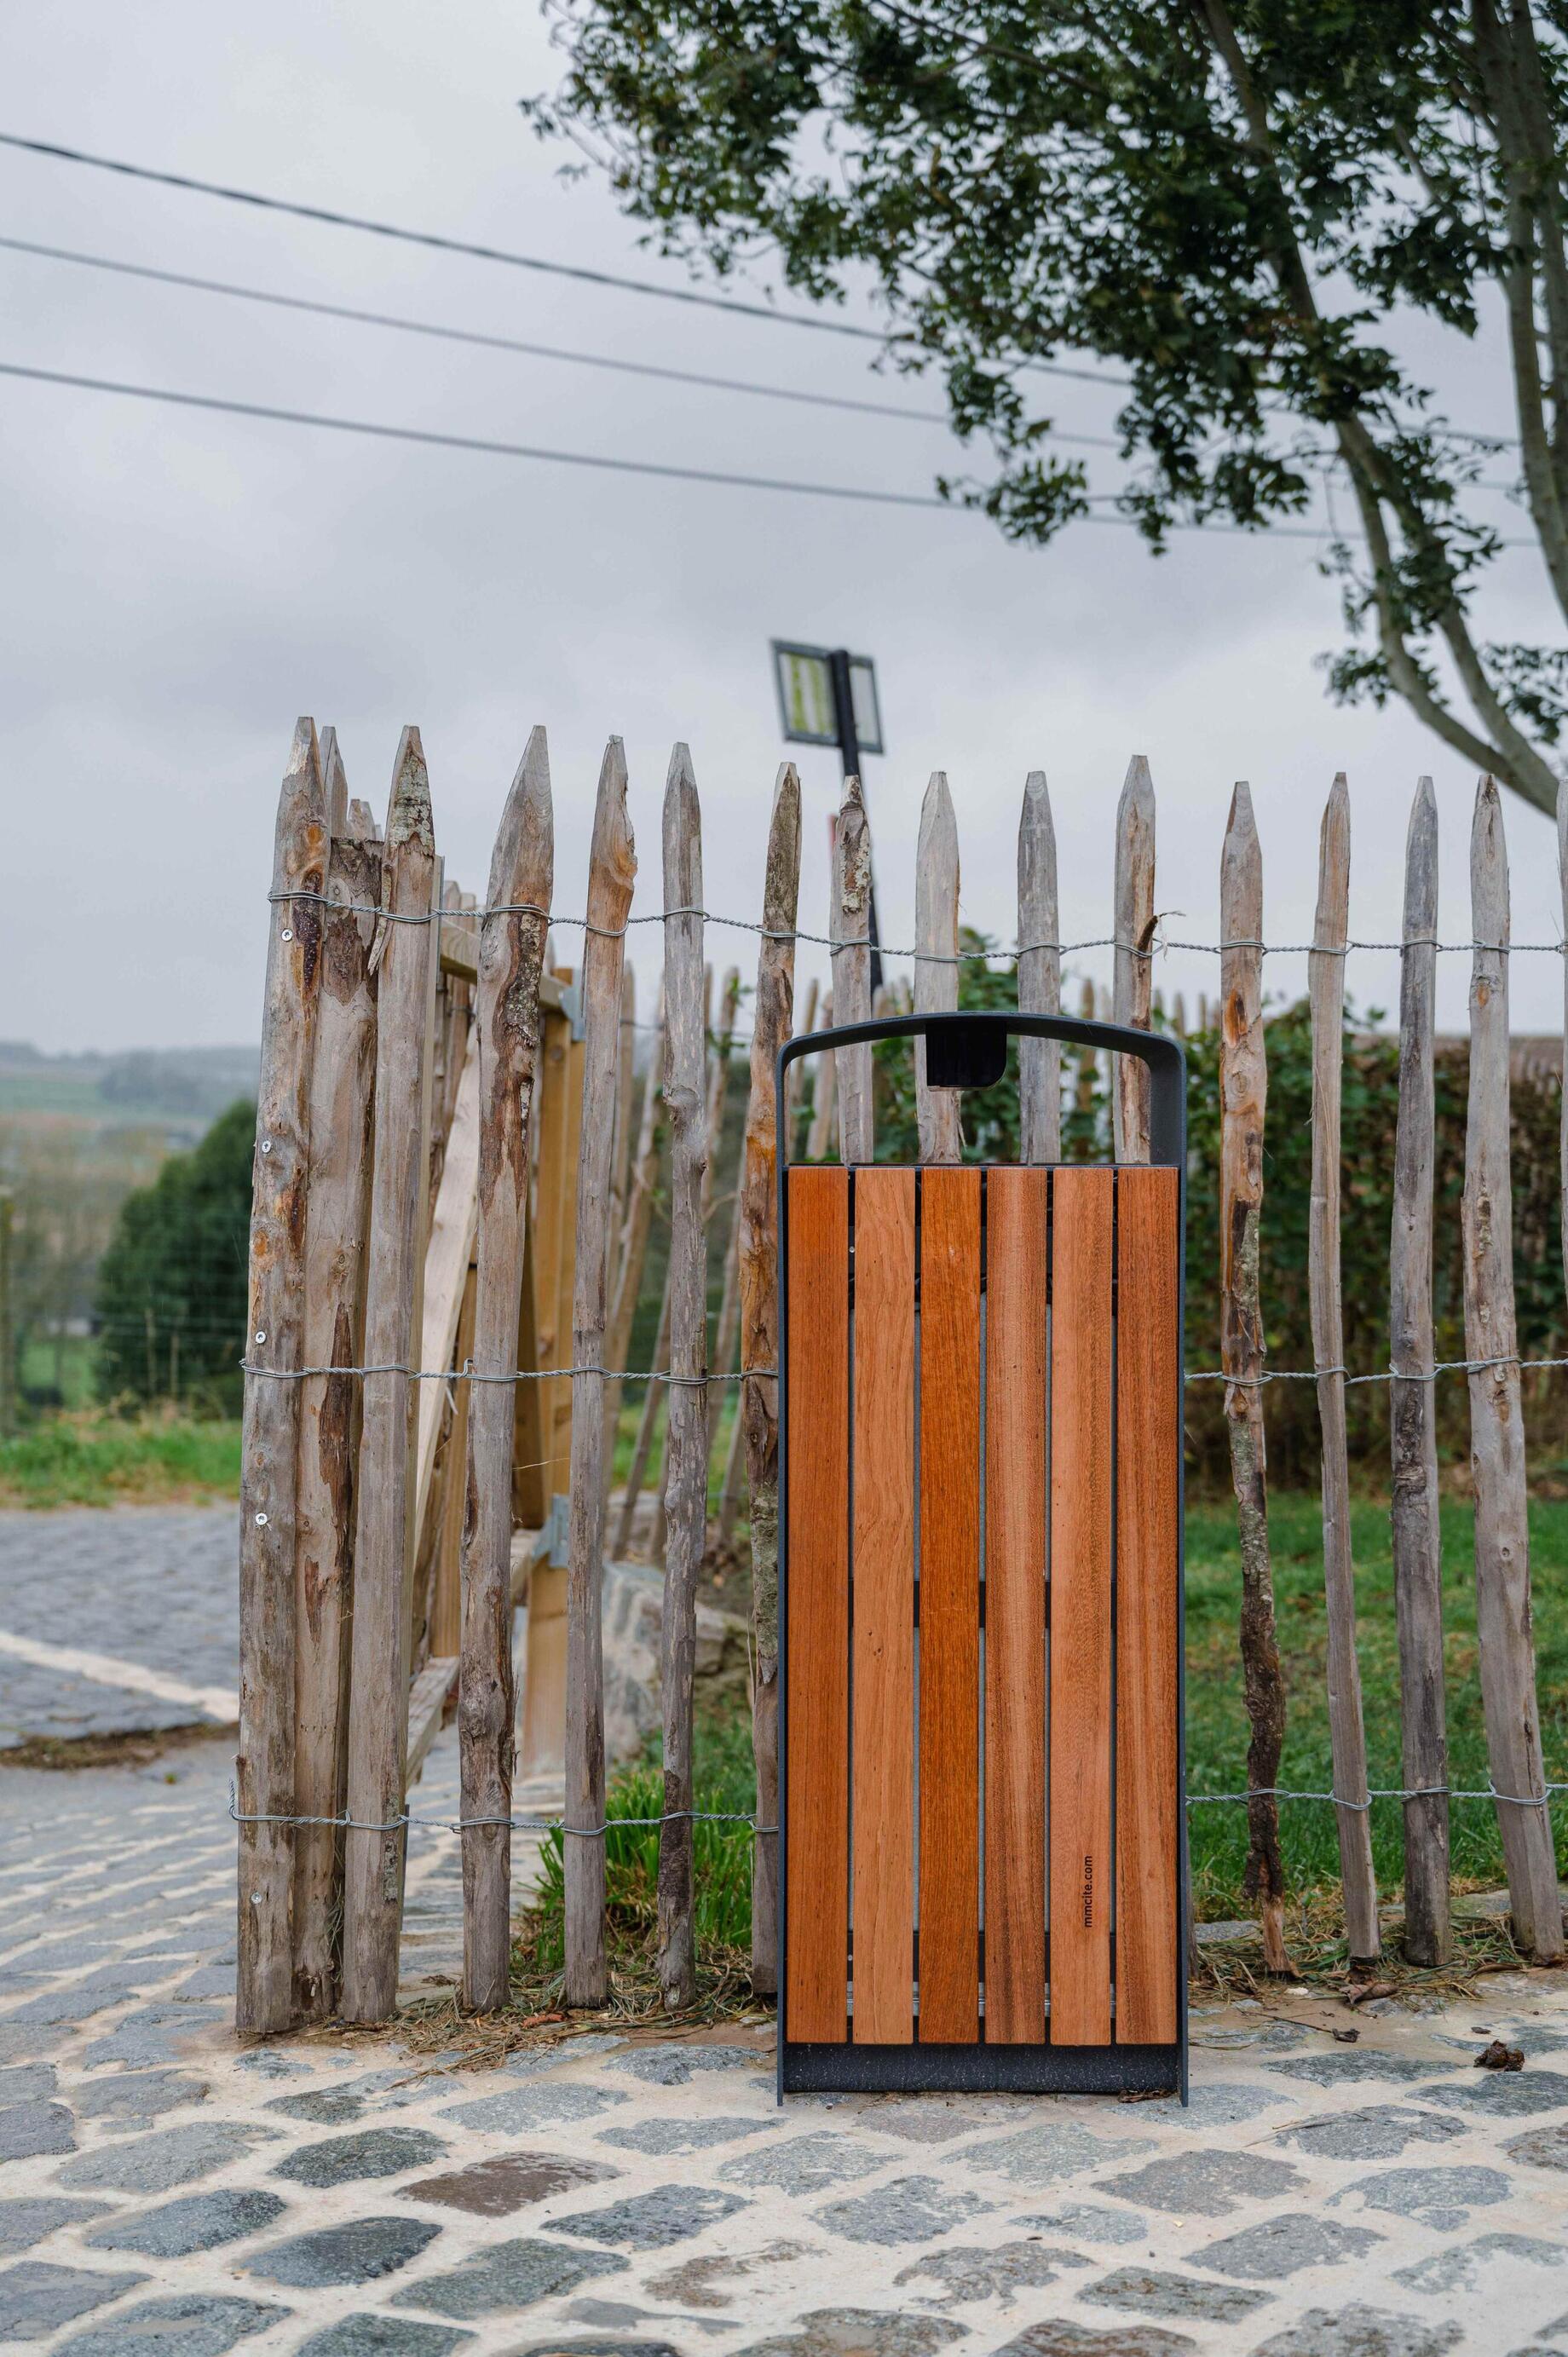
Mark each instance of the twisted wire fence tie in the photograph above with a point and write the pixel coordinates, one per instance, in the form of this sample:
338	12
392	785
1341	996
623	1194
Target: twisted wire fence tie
1144	950
346	1823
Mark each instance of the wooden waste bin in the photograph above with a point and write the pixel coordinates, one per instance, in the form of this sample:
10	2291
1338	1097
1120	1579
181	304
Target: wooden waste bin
982	1876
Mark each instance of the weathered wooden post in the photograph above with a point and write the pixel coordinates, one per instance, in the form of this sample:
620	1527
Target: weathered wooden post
511	959
1243	1092
718	1078
1325	970
1039	975
1497	1423
772	1016
686	1455
341	1083
1134	963
269	1441
850	931
378	1722
612	872
936	962
1412	1422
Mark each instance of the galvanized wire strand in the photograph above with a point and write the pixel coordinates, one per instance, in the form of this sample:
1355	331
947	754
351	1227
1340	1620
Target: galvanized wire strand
408	1821
1540	1800
468	1374
1383	1375
1145	950
346	1823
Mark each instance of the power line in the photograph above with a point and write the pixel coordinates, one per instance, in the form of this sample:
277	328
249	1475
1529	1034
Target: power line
433	438
442	244
322	309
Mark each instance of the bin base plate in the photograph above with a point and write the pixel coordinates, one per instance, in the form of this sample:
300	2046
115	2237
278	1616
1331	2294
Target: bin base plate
820	2070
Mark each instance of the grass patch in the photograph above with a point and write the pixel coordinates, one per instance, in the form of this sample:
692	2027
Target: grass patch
1215	1715
94	1458
725	1781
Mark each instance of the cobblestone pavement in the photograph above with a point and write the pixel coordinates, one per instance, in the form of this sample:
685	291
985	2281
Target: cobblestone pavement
156	1588
161	2189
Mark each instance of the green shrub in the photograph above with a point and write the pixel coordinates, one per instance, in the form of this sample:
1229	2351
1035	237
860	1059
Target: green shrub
170	1305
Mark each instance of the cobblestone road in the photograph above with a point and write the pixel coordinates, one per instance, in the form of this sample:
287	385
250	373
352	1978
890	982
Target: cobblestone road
162	2190
156	1588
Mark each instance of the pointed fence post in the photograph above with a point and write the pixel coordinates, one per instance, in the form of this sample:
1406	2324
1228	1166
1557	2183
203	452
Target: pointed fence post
341	1084
936	962
612	872
850	931
1497	1422
378	1722
1039	975
686	1482
1134	966
772	1016
1413	1421
1347	1737
269	1441
1243	1093
506	1042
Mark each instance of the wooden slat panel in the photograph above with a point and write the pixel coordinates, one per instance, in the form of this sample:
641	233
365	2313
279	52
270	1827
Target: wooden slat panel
1081	1214
949	1606
884	1609
817	1985
1147	1925
1016	1607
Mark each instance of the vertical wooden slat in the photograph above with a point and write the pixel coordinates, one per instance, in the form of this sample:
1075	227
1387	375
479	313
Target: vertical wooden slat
936	970
950	1605
793	1078
772	1016
446	1587
269	1460
816	1995
1412	1429
554	1183
639	1217
1039	975
686	1427
559	1436
1134	967
612	872
378	1722
1244	1088
1148	1395
883	1637
851	930
820	1131
1082	1210
1325	971
626	1130
1016	1249
1497	1423
449	1250
341	1080
506	1042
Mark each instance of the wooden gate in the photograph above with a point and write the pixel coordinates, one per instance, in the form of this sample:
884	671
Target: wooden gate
980	1560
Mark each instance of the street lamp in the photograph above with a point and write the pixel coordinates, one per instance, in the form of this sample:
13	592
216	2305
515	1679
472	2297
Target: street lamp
828	696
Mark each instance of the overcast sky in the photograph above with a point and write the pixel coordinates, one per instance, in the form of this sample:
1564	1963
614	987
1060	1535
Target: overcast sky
179	587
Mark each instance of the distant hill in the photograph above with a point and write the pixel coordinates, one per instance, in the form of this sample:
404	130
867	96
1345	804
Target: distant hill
180	1089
